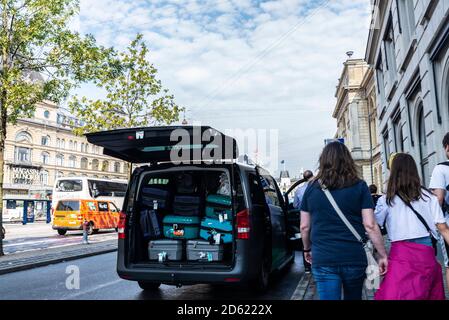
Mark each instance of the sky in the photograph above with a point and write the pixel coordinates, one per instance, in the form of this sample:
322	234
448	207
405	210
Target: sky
244	64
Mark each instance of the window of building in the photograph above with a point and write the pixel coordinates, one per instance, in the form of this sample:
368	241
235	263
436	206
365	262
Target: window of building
75	146
116	167
45	140
60	160
423	147
390	54
82	147
70	145
407	22
24	137
58	143
59	174
83	163
23	155
72	161
46	114
63	144
44	178
45	158
398	135
105	166
386	143
95	164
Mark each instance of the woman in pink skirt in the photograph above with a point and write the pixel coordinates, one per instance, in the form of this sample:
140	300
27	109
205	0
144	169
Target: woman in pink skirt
412	216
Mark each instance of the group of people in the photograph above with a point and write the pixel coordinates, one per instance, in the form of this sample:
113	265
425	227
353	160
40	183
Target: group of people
340	214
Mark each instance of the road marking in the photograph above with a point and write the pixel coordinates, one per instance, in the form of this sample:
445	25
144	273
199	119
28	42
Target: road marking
101	286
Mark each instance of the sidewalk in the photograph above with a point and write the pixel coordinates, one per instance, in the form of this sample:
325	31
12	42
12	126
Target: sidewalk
38	258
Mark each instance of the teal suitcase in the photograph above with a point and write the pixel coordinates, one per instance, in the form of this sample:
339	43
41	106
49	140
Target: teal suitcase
181	227
212	227
217	205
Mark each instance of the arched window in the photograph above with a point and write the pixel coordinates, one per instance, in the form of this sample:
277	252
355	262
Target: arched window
63	144
423	147
45	141
70	145
105	166
82	147
24	137
59	174
45	158
116	167
60	160
75	146
95	164
83	163
72	161
58	143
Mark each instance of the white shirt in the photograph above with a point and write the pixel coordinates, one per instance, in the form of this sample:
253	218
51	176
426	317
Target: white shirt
440	179
402	224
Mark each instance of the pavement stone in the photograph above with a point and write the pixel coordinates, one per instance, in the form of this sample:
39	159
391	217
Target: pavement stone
37	258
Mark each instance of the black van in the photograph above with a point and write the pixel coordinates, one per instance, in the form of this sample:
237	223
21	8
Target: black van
193	215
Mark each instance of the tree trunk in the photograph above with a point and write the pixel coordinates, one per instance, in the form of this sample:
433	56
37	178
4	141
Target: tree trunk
3	121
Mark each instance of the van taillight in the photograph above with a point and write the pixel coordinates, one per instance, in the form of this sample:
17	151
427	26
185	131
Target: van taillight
243	225
121	225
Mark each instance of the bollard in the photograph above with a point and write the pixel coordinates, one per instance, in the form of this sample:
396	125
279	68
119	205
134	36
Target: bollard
85	235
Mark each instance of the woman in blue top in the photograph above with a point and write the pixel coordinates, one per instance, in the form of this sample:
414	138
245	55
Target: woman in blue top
339	260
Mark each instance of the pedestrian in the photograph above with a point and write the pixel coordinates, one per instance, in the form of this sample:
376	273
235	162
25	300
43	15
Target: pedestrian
374	194
338	258
412	215
299	194
439	184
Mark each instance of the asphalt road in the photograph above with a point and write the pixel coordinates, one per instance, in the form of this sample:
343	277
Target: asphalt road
99	281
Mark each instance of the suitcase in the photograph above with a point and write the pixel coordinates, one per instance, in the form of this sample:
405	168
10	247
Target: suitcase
217	205
150	224
187	205
200	250
150	194
180	227
165	250
210	228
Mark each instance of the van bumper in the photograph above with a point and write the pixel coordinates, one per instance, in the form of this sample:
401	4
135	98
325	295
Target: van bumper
242	271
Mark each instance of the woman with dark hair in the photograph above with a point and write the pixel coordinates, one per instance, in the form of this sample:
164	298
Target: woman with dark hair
339	259
412	215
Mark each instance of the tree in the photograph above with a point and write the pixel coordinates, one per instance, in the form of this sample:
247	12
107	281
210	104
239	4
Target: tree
135	98
42	59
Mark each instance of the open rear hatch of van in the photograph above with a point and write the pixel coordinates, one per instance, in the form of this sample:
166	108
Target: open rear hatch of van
180	215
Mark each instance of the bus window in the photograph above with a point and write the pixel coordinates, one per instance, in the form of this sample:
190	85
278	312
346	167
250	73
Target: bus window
69	185
68	206
106	188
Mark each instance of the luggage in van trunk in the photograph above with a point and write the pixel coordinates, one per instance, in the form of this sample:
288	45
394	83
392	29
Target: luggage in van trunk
200	250
219	207
180	227
215	231
151	194
150	224
165	250
187	205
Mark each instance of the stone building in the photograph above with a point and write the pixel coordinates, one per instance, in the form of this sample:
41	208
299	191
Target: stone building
356	118
42	148
408	48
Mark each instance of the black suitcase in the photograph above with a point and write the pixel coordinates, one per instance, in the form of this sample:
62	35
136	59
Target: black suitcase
187	206
150	224
150	195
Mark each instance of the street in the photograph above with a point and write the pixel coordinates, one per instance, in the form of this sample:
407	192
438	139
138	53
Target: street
37	236
99	281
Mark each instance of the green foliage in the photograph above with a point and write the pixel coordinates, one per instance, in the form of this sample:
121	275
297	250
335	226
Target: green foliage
134	98
35	40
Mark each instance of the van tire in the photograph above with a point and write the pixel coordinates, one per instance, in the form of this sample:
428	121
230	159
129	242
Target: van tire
262	280
62	232
149	286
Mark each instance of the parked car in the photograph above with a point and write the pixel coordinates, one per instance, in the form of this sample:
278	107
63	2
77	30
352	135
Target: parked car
210	232
3	233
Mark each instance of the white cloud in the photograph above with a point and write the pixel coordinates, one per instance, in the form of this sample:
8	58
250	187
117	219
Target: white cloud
233	63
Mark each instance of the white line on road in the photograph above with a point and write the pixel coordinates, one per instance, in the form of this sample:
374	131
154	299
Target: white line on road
101	286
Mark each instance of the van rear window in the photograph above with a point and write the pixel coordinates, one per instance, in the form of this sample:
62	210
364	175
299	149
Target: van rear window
68	206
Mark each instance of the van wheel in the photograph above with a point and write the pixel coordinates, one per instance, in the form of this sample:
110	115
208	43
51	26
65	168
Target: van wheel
149	285
62	232
260	284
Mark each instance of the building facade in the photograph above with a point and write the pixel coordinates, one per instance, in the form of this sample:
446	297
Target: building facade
40	149
355	113
408	48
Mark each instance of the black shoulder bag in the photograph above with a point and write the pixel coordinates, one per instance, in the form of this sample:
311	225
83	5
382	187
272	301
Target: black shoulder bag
423	221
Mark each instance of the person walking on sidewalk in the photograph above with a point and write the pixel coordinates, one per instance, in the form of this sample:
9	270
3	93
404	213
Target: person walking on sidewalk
412	215
299	194
439	184
338	258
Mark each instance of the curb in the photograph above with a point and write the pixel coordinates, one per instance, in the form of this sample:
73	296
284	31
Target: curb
302	288
53	260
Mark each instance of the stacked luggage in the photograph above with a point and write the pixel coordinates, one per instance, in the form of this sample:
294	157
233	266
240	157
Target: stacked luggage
189	235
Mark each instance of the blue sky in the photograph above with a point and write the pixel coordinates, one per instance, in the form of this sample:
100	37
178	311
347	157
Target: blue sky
243	63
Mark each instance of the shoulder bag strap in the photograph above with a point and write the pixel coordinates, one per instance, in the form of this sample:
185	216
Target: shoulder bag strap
418	215
340	214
